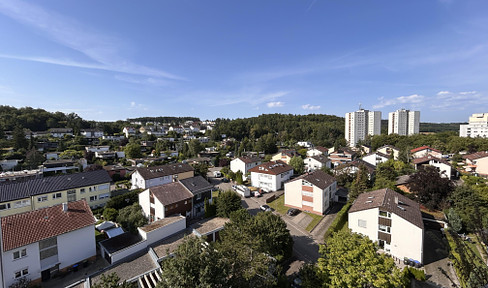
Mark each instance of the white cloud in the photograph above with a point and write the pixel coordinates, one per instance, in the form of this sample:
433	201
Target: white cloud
412	99
132	104
102	49
275	104
252	97
310	107
459	100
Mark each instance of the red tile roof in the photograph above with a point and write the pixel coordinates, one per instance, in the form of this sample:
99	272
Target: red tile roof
427	159
423	148
26	228
272	168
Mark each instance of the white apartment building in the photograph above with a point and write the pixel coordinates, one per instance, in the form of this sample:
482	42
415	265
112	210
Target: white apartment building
403	122
361	123
270	176
477	127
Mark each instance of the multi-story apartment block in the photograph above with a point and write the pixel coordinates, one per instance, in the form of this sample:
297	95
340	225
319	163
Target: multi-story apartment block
270	176
34	194
403	122
477	127
360	124
392	220
313	192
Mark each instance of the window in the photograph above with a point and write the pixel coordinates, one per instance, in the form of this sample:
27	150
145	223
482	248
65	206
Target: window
103	196
103	187
199	196
57	195
385	214
384	228
21	273
309	194
93	198
5	206
89	189
42	199
362	223
20	253
94	188
71	195
21	203
82	190
306	203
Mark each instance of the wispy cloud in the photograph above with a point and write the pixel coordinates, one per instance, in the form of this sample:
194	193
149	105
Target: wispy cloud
101	49
252	97
145	81
412	99
446	100
310	107
275	104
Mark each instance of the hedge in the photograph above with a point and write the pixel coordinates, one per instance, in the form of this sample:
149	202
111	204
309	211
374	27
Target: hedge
339	221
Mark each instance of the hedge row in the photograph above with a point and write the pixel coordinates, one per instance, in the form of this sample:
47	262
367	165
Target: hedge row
339	221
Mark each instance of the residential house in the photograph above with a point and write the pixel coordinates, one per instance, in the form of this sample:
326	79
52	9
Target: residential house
19	197
313	163
61	132
285	156
305	144
477	163
19	175
317	150
161	201
146	177
313	192
392	220
353	167
107	155
270	176
91	133
389	150
376	158
95	149
59	166
38	244
201	190
243	164
425	151
177	129
9	164
403	182
444	167
342	156
115	170
129	131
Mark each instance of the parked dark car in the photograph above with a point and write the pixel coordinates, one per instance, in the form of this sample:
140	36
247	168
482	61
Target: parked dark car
292	212
265	208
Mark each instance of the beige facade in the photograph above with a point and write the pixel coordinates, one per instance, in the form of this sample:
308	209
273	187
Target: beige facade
482	166
305	196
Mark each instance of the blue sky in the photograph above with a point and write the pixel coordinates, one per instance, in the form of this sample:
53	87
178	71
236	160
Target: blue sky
110	60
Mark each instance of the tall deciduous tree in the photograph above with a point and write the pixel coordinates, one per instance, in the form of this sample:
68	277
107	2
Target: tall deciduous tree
430	188
195	264
131	217
360	183
132	150
19	138
297	163
228	202
350	260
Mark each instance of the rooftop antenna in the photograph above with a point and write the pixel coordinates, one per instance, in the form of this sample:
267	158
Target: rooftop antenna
360	106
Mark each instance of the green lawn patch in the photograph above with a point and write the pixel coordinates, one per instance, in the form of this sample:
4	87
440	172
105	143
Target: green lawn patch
315	220
279	205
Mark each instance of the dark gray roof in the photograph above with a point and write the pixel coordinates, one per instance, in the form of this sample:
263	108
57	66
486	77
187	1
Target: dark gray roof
18	190
321	158
357	163
391	201
318	178
164	170
171	193
196	184
120	242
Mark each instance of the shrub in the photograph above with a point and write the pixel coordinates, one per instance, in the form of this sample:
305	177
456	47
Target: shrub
339	221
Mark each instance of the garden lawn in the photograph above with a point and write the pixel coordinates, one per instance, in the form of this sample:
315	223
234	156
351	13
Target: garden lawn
315	220
279	205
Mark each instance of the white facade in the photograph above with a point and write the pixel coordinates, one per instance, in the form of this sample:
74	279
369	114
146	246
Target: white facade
477	127
312	164
361	123
406	238
316	152
269	182
139	182
404	122
303	195
72	247
375	158
240	165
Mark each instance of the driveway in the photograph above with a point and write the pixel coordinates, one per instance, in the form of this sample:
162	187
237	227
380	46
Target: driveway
437	266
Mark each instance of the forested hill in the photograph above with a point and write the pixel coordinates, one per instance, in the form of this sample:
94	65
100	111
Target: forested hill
318	128
161	119
428	127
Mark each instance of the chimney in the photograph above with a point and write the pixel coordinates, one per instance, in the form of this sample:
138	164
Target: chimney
65	207
396	200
